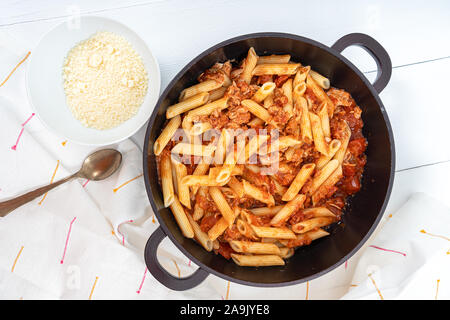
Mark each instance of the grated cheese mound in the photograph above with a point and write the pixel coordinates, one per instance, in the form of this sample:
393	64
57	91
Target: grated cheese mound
104	80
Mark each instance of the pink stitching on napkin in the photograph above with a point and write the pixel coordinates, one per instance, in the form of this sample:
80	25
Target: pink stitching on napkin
67	240
142	282
14	147
379	248
29	118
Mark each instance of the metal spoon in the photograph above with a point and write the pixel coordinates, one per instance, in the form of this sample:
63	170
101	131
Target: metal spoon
97	166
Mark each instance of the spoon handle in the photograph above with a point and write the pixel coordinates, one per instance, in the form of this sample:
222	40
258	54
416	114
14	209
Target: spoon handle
9	205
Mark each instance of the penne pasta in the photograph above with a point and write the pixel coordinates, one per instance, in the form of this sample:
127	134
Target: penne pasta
237	187
165	136
305	123
300	179
220	226
245	229
299	90
323	175
238	170
287	91
167	180
217	94
266	211
305	238
300	76
187	125
249	65
254	247
257	110
174	178
325	187
274	58
227	168
199	235
201	180
207	109
311	224
280	144
256	122
332	149
221	148
200	127
247	216
320	94
340	153
272	240
198	210
213	172
289	208
318	212
257	193
201	169
276	68
318	135
182	189
193	149
253	168
265	90
286	253
279	189
204	86
257	260
324	121
272	232
251	148
186	105
320	79
268	101
222	204
181	218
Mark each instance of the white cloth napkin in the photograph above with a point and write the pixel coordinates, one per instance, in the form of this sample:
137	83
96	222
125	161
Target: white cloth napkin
85	241
410	257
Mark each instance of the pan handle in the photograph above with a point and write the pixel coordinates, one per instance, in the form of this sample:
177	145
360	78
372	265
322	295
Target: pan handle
160	274
374	48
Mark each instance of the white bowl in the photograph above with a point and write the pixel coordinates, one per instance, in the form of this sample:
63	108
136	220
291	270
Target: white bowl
45	81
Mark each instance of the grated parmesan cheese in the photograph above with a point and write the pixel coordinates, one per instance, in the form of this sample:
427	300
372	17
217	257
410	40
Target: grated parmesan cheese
104	80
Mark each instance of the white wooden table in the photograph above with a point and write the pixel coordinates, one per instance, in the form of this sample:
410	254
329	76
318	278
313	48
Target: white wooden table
414	33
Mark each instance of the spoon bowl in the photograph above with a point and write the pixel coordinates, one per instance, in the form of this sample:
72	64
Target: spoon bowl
101	164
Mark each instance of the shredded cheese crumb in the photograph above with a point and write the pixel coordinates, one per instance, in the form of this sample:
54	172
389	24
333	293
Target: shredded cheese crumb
105	81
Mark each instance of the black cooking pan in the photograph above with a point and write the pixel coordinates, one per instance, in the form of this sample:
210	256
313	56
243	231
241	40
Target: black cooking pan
364	209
